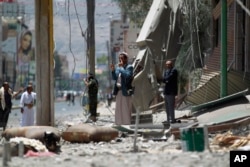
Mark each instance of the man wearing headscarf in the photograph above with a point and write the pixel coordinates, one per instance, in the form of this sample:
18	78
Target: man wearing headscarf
6	96
122	74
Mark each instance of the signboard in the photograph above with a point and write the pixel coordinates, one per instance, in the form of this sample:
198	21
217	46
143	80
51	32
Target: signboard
10	1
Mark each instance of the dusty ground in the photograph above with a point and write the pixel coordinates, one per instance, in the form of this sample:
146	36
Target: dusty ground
123	152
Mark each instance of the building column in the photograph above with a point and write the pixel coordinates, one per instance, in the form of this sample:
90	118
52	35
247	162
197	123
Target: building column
44	62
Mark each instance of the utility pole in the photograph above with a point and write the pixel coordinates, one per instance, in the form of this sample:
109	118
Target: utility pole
1	39
109	62
91	35
44	62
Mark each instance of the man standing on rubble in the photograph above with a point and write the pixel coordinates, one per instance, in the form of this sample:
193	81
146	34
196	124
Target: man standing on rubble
6	96
27	102
122	73
92	84
170	78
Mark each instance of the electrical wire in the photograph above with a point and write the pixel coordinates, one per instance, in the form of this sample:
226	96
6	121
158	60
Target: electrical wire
83	34
70	43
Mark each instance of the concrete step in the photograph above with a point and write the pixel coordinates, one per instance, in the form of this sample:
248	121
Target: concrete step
144	118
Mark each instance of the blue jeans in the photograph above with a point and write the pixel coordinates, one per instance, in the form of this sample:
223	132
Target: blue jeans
170	105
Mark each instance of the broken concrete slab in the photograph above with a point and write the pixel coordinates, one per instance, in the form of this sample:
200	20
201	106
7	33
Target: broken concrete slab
225	114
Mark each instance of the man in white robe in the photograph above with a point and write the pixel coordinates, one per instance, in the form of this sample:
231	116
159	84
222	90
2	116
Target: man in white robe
27	107
122	74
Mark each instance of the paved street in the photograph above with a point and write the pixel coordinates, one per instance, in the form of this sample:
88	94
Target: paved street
106	114
62	108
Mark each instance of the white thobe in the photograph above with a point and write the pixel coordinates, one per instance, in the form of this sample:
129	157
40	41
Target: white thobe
28	115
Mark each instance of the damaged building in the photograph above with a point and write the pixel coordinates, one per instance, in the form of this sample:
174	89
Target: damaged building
226	57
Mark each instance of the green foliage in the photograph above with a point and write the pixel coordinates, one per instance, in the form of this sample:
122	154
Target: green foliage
195	27
102	60
136	10
58	65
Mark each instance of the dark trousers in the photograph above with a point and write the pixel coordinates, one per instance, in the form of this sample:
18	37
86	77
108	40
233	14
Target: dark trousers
93	106
170	103
4	116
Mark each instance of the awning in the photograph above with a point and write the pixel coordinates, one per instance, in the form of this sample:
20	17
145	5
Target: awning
144	80
158	41
160	31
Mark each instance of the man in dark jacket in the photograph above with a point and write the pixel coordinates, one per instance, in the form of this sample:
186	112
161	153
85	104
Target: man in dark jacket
92	84
6	96
170	79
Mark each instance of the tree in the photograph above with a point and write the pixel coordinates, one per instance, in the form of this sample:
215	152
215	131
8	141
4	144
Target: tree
102	60
136	10
195	40
58	65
